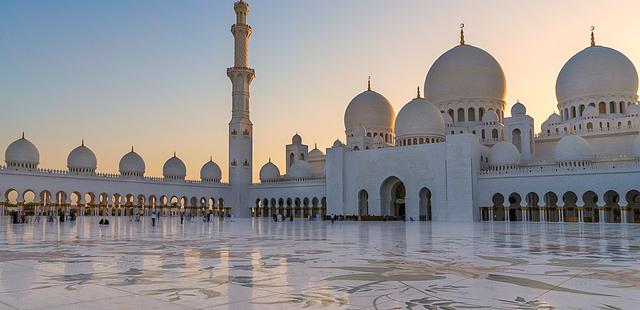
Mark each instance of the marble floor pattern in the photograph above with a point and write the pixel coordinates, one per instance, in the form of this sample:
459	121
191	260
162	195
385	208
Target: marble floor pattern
259	264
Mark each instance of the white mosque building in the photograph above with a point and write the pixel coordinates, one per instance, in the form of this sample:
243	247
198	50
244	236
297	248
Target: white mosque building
450	155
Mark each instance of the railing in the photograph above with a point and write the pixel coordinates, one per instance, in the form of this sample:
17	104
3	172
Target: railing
599	164
100	175
286	180
585	131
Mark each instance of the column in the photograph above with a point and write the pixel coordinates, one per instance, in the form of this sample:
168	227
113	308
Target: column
491	214
525	211
506	214
601	214
580	214
560	212
542	214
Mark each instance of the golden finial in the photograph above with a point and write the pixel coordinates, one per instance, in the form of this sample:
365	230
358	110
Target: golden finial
210	158
315	145
174	153
369	83
22	134
269	159
418	97
82	142
132	149
461	33
593	37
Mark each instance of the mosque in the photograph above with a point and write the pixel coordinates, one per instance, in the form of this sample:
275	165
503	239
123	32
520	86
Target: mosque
450	154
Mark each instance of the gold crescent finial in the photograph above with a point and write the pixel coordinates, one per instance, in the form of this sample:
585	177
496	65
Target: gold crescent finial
174	153
418	97
369	83
593	38
22	134
461	33
132	149
82	142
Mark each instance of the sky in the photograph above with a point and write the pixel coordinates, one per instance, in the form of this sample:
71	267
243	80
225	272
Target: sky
151	73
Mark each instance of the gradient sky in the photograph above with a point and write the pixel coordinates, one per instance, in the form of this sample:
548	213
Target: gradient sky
151	73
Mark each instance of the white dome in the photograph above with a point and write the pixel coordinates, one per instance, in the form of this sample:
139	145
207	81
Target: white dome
337	143
490	116
518	109
296	139
504	154
210	172
269	172
419	118
300	170
22	152
316	154
369	110
174	168
597	71
633	109
573	148
131	164
464	72
554	118
636	146
82	159
590	111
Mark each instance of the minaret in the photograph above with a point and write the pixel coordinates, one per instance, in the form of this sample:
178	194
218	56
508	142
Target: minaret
240	127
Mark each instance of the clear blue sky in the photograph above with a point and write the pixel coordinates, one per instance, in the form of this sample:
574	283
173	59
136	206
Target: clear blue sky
152	73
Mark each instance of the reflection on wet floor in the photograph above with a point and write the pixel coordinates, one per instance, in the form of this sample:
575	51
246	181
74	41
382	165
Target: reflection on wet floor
259	264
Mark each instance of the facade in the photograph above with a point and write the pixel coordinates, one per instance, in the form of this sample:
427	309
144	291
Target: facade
450	155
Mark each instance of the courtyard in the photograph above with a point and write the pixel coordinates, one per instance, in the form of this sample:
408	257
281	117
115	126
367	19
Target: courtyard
260	264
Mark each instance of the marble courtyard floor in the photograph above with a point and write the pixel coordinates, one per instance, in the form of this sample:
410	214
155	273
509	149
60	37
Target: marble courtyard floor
259	264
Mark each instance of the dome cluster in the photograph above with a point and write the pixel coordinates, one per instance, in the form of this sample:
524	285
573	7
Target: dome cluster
24	155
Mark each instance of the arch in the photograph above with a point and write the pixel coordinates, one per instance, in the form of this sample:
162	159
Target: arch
590	200
633	200
581	109
471	115
612	210
516	139
612	107
515	213
573	112
363	203
602	108
451	113
460	115
498	207
569	200
392	197
424	199
292	158
494	134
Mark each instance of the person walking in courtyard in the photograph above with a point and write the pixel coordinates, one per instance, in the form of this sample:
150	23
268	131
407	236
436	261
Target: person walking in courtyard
153	222
181	218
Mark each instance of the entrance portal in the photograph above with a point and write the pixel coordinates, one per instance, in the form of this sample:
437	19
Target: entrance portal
392	197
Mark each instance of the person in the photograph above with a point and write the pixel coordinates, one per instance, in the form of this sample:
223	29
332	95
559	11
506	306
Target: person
153	222
106	221
181	218
291	218
61	217
275	217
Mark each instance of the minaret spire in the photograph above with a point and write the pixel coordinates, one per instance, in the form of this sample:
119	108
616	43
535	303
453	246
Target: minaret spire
593	37
240	126
369	83
461	33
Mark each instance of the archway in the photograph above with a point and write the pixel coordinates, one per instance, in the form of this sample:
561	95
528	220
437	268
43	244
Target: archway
633	200
551	206
516	139
590	208
498	207
425	204
392	197
363	203
515	212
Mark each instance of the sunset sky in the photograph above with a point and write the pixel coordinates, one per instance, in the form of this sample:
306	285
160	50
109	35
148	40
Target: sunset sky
151	73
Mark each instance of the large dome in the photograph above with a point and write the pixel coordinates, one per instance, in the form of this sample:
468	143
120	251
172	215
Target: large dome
132	164
369	110
82	159
300	170
573	148
22	154
597	71
419	118
269	172
464	72
210	172
174	169
504	154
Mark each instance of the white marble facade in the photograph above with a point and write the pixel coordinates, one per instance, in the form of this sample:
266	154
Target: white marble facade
451	154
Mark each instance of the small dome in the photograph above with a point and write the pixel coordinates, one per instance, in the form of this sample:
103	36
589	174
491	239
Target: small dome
590	111
419	118
22	153
573	148
269	172
300	170
337	143
210	172
464	72
636	146
174	169
370	110
82	159
633	109
316	154
490	116
504	154
296	139
131	164
554	118
597	71
518	109
378	140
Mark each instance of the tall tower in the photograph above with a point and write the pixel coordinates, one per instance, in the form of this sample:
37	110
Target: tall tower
240	126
